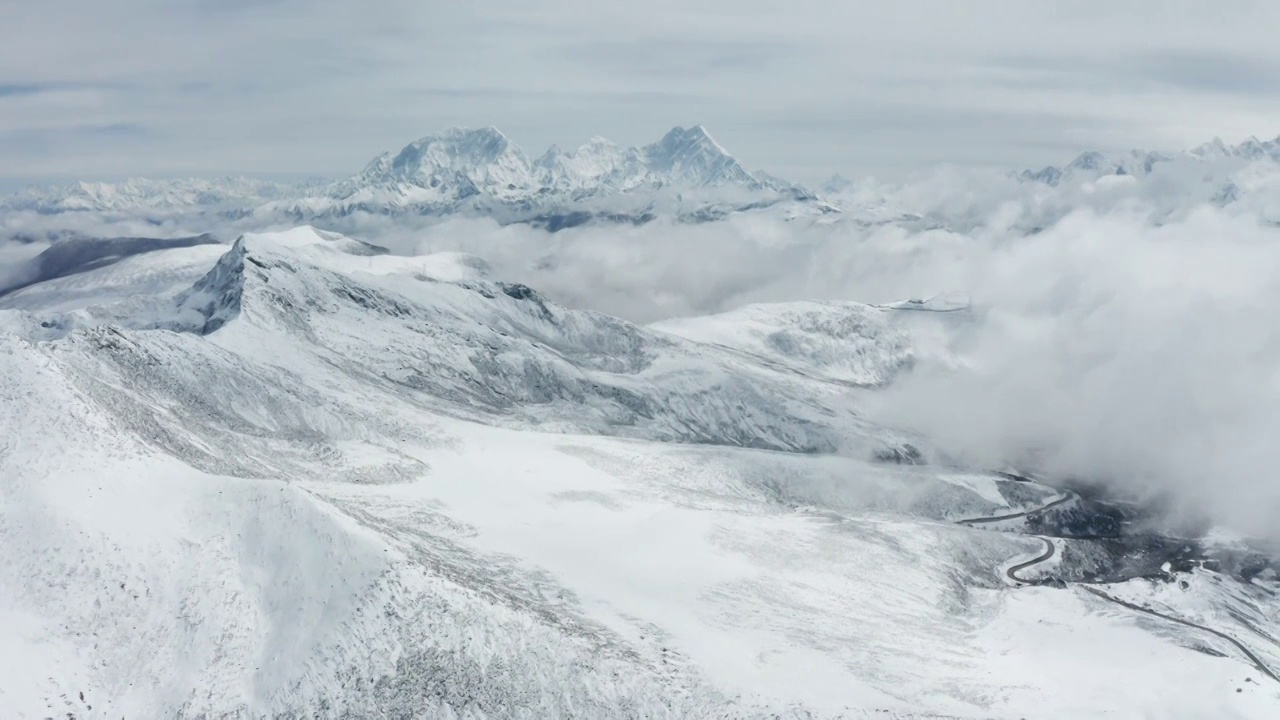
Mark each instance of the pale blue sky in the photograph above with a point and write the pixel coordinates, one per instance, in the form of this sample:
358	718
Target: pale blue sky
802	89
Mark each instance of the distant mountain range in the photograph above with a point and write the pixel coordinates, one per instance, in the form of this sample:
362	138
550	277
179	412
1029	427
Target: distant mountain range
1092	165
472	171
686	176
1222	159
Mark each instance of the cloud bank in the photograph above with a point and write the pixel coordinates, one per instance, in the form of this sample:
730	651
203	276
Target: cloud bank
1120	343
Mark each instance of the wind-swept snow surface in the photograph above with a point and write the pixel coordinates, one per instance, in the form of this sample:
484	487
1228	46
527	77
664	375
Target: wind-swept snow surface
296	477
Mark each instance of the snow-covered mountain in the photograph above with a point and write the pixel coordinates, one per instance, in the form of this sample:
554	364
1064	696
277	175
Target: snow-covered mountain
1242	179
296	476
497	348
1093	165
686	174
142	196
483	172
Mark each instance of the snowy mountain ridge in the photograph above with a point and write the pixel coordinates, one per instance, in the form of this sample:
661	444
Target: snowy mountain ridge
463	170
686	176
1240	180
1092	164
138	195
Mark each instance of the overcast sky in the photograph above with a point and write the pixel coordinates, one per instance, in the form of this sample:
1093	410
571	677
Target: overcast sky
802	89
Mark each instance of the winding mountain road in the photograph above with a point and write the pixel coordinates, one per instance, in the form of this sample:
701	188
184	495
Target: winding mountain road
1061	499
1257	662
1051	549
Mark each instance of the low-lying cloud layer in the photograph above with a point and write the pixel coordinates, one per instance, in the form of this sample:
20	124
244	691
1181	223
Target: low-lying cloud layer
1106	346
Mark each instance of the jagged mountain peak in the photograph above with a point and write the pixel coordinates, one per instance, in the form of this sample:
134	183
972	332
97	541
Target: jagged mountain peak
466	137
216	298
458	149
550	155
681	143
595	147
696	134
597	166
1252	148
1215	147
378	165
1090	160
691	155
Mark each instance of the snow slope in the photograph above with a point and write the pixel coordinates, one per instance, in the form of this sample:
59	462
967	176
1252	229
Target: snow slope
839	341
303	479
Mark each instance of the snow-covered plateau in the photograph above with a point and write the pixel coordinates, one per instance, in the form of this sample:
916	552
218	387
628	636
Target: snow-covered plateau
293	475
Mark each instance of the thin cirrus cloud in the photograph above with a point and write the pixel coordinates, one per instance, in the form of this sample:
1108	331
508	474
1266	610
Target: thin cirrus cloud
25	89
678	58
1225	73
281	86
32	88
38	143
